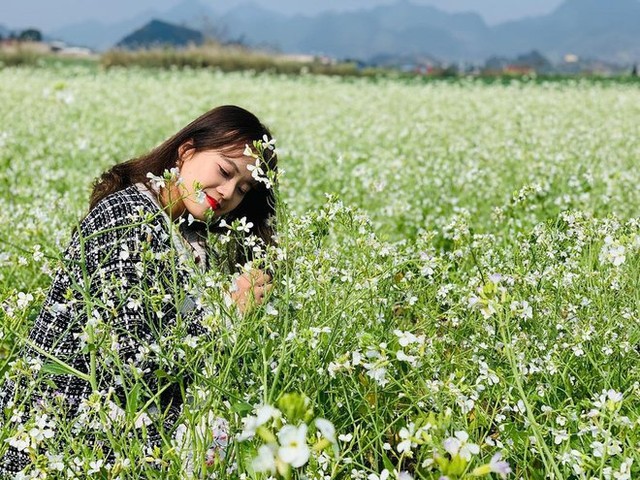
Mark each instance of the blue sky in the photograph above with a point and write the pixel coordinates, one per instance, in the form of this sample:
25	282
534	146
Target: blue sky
48	14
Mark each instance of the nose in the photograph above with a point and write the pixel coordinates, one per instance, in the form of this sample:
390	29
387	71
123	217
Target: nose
226	189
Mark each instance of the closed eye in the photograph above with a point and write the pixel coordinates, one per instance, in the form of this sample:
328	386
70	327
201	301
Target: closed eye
224	173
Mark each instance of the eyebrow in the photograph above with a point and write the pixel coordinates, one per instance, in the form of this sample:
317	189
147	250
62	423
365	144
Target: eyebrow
231	162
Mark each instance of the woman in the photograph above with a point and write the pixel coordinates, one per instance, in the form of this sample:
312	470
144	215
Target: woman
126	282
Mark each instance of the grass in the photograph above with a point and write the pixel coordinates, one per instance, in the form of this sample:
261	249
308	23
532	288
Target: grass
224	58
457	258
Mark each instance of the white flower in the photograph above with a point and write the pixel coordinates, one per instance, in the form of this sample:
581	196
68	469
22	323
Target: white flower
612	252
327	429
293	445
16	416
43	429
406	434
523	309
406	338
38	435
114	412
560	436
20	441
356	358
55	461
243	225
200	195
403	357
24	299
615	397
124	252
265	461
495	277
270	309
134	303
458	445
94	467
142	419
499	466
255	169
377	373
598	449
248	151
625	470
37	254
258	174
384	475
264	413
156	182
345	437
266	143
174	175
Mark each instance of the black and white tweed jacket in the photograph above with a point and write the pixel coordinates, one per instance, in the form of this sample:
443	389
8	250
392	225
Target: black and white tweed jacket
122	285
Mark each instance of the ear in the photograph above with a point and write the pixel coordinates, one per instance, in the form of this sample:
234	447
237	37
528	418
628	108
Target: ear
185	152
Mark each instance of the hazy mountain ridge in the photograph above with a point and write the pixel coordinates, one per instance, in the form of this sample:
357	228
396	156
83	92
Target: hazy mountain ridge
395	29
606	29
159	33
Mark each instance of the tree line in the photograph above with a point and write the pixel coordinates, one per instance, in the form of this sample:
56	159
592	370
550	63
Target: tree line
27	35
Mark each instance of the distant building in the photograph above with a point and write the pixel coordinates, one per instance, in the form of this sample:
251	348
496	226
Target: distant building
75	52
527	64
571	58
535	61
419	64
518	70
14	45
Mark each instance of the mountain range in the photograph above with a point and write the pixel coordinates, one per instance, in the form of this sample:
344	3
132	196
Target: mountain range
605	29
160	33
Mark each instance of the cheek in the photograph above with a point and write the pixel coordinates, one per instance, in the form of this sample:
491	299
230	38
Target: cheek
233	205
191	174
187	176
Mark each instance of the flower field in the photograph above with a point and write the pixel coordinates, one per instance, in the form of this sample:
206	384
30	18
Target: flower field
456	280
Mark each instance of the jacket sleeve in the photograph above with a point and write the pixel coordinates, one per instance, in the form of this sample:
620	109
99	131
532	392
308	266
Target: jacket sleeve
114	312
138	306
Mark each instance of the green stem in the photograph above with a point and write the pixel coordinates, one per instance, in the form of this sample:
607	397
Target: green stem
547	456
58	362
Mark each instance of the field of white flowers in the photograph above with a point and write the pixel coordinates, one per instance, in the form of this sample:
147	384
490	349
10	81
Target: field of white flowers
457	281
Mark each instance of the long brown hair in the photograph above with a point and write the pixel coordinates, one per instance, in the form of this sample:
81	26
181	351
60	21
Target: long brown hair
226	128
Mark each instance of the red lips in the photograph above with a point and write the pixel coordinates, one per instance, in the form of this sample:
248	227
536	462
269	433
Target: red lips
213	203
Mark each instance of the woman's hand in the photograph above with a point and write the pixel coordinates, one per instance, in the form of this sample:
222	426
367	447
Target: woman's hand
251	289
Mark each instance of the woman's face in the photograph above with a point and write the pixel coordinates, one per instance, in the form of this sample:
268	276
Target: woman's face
211	180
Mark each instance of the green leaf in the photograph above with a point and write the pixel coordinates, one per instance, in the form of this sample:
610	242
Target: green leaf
132	400
241	407
388	464
61	368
